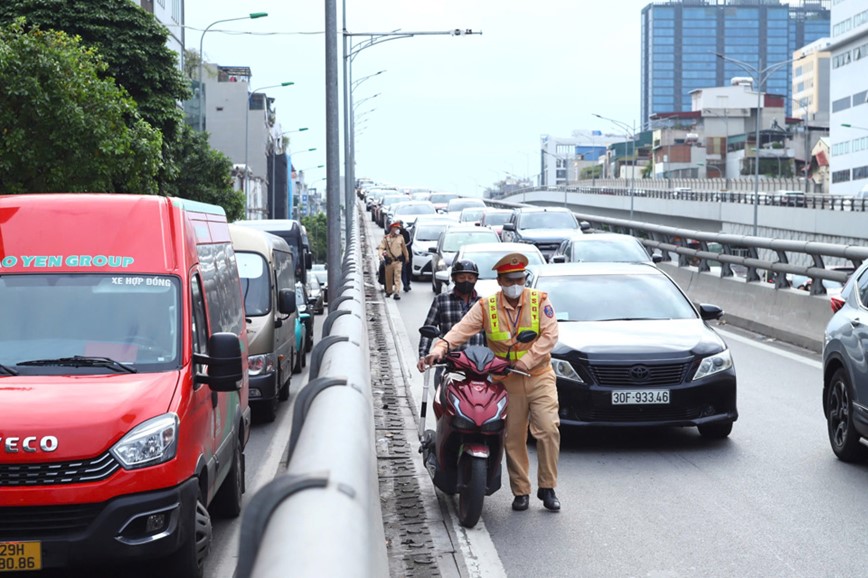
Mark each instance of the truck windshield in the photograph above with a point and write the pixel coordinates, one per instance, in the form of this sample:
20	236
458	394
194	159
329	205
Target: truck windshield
131	319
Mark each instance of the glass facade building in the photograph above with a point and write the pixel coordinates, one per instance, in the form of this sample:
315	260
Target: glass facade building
681	40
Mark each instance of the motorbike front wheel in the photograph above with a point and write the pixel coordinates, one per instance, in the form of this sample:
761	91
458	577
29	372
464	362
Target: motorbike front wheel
471	489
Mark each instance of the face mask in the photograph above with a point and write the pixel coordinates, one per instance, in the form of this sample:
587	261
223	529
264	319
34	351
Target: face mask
465	287
513	291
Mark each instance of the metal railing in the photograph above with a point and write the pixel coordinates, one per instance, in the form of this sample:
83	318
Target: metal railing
751	254
322	517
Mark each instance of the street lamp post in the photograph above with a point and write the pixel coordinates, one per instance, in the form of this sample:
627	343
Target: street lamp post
349	54
247	126
630	133
760	76
251	16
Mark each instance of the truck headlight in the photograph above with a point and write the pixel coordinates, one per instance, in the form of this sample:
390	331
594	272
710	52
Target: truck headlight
713	364
151	442
260	364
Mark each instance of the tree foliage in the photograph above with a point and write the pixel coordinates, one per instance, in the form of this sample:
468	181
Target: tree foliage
133	46
66	125
317	234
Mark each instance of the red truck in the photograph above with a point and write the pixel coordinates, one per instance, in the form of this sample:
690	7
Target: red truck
123	381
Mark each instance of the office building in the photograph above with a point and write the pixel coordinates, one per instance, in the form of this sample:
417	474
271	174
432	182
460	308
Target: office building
681	41
848	93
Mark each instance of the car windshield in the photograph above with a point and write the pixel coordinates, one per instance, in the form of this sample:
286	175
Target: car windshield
441	197
548	220
255	283
496	218
468	215
392	199
615	297
429	231
457	205
626	250
132	319
420	209
485	260
452	242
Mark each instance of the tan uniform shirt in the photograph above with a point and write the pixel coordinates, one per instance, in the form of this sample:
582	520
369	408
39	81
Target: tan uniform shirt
537	359
394	246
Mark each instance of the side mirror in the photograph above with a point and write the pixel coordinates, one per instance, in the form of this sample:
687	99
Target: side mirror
225	369
526	336
432	249
429	331
558	259
509	226
286	301
308	261
708	312
656	258
584	226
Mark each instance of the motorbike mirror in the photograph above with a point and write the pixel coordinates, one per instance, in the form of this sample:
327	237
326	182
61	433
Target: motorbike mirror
526	336
430	331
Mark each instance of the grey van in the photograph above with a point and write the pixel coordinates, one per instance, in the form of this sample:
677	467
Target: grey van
267	274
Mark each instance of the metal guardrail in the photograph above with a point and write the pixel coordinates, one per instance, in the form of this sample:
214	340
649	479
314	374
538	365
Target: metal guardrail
801	200
322	518
693	248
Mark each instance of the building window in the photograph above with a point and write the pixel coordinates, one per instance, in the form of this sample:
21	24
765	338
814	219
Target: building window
841	104
841	176
860	173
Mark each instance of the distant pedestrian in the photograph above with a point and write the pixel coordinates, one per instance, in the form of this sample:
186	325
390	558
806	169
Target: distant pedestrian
393	252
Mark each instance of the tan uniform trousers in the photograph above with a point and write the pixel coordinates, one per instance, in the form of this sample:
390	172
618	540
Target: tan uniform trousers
532	400
393	277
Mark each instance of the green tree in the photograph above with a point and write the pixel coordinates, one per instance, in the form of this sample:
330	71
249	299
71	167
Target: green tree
66	126
205	174
133	45
317	234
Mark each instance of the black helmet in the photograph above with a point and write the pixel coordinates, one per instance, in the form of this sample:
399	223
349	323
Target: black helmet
465	266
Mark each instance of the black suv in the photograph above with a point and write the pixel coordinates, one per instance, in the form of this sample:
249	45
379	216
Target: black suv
545	227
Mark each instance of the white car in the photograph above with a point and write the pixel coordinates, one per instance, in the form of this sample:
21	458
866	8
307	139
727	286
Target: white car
426	230
485	255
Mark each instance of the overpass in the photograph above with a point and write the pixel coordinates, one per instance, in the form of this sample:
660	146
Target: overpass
824	218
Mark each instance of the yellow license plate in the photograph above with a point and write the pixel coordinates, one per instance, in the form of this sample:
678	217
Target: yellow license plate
17	556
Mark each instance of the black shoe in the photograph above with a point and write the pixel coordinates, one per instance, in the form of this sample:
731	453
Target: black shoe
397	297
550	500
520	503
406	289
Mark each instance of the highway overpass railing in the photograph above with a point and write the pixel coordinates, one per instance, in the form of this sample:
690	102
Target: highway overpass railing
746	275
322	517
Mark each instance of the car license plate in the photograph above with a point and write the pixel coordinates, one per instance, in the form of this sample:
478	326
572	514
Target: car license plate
16	556
640	396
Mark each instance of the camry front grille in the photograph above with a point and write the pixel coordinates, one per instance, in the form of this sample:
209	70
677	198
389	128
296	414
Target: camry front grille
77	472
639	375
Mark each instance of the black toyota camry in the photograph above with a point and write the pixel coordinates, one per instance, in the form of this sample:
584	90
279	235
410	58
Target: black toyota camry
634	351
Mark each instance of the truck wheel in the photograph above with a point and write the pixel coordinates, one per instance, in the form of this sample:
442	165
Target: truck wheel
283	391
227	502
299	355
189	560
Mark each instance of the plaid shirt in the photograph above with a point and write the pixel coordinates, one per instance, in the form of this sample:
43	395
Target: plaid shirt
447	310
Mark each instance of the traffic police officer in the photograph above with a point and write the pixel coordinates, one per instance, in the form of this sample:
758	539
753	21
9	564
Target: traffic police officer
533	399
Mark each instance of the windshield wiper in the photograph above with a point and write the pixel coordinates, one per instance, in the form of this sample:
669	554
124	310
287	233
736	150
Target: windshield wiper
631	319
7	370
82	361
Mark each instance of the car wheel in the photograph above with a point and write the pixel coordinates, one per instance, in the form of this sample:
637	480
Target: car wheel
227	502
189	560
839	419
296	366
715	431
283	390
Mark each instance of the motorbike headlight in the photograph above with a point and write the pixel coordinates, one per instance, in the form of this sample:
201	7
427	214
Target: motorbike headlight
260	364
713	364
149	443
565	370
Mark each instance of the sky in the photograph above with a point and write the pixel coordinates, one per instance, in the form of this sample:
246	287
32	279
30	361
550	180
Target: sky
451	113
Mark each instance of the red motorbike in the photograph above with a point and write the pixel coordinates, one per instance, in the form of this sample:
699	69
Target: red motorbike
464	454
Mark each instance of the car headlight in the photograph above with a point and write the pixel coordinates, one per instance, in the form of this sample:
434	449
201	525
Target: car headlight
259	364
714	364
149	443
565	370
441	265
420	253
